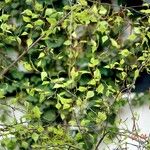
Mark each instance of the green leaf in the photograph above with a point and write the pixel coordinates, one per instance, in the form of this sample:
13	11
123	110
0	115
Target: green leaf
4	17
36	112
24	144
136	74
79	102
38	6
102	26
2	93
26	19
66	106
104	38
41	55
132	37
56	86
89	94
92	82
28	12
74	73
94	62
58	105
52	22
68	42
49	11
114	43
43	75
24	33
29	42
64	100
27	66
39	22
85	122
101	117
82	89
94	9
147	11
100	88
124	75
97	74
49	115
94	46
125	52
35	137
83	2
29	2
8	1
103	10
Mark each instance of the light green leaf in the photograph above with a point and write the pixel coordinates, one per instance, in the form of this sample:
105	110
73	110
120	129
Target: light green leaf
39	22
103	10
89	94
24	144
41	55
104	38
35	137
43	75
74	73
100	88
94	62
94	9
8	1
79	102
92	82
83	2
2	93
102	26
27	66
29	42
66	106
4	17
136	74
132	37
26	19
68	42
124	75
24	33
57	85
147	11
38	6
101	117
36	112
82	88
28	12
58	105
97	74
49	11
64	100
125	52
114	43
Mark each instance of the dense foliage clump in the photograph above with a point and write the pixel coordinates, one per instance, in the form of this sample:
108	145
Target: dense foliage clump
76	67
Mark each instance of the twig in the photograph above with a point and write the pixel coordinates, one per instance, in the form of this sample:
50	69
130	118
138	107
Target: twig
100	141
20	56
31	46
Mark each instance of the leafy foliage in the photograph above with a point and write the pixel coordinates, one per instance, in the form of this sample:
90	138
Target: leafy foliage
76	73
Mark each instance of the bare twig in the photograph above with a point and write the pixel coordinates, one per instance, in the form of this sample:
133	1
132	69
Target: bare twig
31	46
100	140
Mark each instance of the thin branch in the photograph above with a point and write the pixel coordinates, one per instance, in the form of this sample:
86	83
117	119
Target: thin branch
100	140
31	46
20	56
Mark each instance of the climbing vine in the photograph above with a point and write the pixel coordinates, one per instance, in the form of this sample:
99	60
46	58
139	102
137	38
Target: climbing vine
77	65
